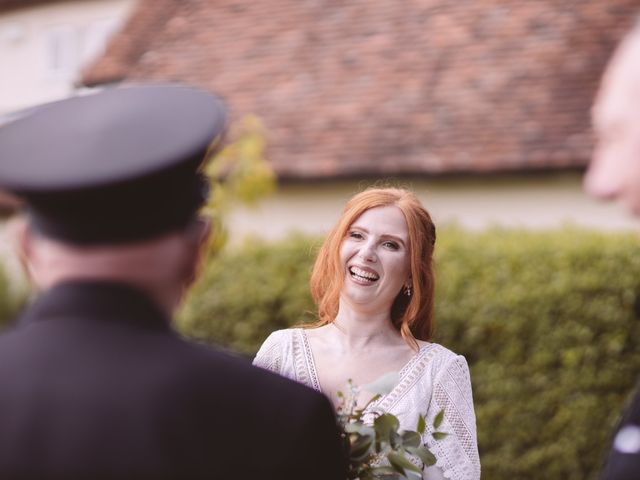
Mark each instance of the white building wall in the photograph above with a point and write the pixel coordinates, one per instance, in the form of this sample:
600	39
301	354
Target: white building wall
43	48
520	201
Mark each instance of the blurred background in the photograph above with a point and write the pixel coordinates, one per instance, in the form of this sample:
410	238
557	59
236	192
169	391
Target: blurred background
480	106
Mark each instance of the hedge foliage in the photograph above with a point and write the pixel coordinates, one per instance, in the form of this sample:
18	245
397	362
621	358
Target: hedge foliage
11	299
547	321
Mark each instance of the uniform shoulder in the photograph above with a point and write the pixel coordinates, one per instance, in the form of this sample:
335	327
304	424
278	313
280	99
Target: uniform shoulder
215	368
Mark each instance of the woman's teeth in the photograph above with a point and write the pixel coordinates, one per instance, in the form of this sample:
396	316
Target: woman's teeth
363	274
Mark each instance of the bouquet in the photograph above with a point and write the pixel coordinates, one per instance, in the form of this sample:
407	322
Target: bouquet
378	449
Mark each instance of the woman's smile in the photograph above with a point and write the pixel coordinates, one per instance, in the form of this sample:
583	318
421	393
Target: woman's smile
363	275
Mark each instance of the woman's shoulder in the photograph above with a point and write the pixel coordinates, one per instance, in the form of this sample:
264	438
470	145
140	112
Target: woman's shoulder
274	351
280	338
279	335
439	355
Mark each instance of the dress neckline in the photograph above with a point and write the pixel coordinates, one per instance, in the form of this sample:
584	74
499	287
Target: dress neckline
403	373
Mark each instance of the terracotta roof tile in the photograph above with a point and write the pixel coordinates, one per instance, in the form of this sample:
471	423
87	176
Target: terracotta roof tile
6	5
379	87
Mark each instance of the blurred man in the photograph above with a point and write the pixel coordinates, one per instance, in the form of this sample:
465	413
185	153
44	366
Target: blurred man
614	173
94	383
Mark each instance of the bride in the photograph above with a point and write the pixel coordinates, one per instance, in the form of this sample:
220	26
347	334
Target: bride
373	284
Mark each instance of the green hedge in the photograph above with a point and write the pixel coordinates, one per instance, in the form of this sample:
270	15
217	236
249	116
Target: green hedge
11	299
244	296
547	321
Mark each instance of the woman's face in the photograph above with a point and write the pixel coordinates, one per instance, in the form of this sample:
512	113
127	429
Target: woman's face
375	255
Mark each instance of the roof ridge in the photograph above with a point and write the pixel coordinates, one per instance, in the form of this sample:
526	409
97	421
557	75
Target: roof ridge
121	53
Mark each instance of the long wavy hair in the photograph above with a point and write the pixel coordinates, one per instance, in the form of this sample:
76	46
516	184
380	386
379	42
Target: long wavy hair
411	315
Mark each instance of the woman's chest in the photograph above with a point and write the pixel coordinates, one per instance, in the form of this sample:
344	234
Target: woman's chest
341	376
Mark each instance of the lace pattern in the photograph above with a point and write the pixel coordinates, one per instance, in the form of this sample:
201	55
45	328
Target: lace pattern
457	453
269	356
434	379
308	364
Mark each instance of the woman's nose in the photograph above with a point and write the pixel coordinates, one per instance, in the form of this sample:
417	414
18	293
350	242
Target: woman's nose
368	252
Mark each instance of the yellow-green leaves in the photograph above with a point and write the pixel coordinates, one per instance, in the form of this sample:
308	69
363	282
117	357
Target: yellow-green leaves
239	173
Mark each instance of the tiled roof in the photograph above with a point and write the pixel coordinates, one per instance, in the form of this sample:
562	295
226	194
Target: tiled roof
387	87
6	5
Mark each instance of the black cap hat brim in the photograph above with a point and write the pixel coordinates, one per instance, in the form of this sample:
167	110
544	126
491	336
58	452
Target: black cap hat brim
118	165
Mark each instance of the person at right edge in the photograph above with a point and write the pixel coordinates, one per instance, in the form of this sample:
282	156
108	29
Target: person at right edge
614	173
94	382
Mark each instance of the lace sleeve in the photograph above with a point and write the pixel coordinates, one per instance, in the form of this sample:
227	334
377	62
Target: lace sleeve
269	356
457	454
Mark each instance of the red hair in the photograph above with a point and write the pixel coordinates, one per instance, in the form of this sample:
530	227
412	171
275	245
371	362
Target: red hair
411	316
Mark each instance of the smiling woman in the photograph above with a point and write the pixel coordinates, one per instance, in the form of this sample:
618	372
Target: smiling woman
373	284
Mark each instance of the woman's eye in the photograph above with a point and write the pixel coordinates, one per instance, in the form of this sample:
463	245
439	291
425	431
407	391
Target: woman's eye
356	235
391	245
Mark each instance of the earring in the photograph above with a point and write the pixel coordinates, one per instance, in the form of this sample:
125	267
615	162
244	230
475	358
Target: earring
407	290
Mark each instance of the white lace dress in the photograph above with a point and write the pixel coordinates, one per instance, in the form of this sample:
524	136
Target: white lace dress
434	379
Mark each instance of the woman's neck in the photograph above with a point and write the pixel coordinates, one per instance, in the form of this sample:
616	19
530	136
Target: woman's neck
355	329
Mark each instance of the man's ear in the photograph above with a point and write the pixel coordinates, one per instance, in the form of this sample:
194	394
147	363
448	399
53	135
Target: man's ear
205	232
198	234
21	236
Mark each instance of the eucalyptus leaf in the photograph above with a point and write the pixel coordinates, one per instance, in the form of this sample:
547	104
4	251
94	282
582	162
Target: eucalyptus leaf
422	425
384	425
395	440
372	444
383	384
383	470
361	446
359	428
400	462
397	468
411	439
439	435
438	420
424	454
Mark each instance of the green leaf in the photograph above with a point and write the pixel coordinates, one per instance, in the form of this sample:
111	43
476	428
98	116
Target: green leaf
438	420
383	384
439	435
422	425
401	463
360	428
367	475
411	439
360	447
424	454
383	471
395	440
384	425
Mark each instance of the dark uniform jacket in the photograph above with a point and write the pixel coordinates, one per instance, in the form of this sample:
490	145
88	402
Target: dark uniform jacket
95	384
